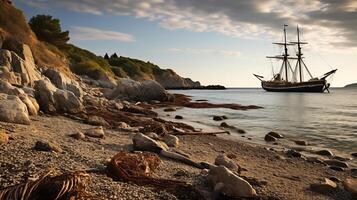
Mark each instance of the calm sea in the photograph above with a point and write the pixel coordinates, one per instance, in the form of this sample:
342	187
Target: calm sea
327	120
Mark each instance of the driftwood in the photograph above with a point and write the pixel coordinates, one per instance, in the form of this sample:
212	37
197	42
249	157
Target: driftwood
201	133
63	187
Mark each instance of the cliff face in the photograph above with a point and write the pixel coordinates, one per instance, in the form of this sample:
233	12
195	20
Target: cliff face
14	31
169	79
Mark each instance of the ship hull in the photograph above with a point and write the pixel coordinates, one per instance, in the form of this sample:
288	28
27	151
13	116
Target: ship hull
317	86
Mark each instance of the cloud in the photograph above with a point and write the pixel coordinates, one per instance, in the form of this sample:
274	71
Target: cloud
88	33
326	23
206	51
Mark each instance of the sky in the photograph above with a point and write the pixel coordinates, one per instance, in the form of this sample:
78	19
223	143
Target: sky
212	41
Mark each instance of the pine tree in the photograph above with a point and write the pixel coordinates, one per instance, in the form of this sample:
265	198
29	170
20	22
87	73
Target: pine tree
106	56
114	56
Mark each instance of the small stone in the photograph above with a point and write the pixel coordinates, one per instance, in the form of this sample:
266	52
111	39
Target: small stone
301	142
225	125
270	138
152	135
122	126
178	117
78	135
170	109
354	154
325	186
315	160
293	153
4	138
336	163
223	160
47	146
171	140
181	173
342	158
224	117
97	121
275	134
336	168
335	179
218	118
351	186
97	132
231	156
324	152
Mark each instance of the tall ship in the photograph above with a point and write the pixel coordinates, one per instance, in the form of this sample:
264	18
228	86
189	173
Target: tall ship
290	79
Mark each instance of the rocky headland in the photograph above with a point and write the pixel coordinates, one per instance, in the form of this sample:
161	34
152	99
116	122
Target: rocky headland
68	132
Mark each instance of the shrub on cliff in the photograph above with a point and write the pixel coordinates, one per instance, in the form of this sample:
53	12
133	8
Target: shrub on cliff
48	29
89	68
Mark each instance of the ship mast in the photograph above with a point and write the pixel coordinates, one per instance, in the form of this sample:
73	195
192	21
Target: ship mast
285	57
285	54
300	63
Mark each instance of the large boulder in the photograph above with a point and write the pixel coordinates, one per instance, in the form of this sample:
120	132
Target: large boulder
226	182
30	103
128	89
63	82
52	99
21	64
13	110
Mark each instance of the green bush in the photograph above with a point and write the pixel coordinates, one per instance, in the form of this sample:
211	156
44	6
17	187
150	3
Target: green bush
89	68
48	29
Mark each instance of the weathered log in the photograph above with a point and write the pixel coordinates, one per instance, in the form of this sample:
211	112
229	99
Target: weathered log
201	133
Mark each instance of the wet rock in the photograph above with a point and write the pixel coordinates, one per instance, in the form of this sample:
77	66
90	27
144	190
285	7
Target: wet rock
97	121
336	163
293	153
13	110
170	109
226	182
350	185
171	140
275	134
4	138
270	138
47	146
218	118
324	152
142	142
336	168
354	154
301	142
78	135
325	186
178	117
97	132
225	125
223	160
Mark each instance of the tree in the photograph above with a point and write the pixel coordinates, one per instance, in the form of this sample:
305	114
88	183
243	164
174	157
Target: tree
48	29
106	56
114	56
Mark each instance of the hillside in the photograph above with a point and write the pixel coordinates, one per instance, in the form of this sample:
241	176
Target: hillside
14	30
352	85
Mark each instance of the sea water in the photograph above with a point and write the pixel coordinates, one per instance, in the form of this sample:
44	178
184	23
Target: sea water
326	120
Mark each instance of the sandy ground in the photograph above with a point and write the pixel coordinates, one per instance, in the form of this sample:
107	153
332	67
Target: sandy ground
271	173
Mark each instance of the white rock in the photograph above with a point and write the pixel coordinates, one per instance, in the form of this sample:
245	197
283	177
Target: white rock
13	110
228	183
97	132
171	140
